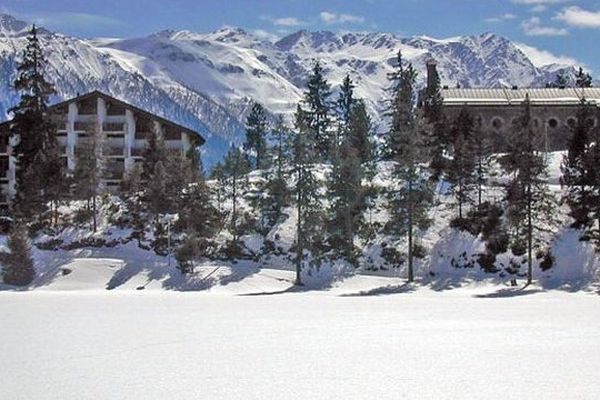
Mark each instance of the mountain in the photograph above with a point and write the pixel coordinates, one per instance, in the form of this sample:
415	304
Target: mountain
208	80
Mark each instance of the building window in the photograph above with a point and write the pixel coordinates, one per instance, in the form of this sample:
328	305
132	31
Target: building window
591	122
552	122
497	123
4	167
571	122
115	109
171	133
88	106
113	127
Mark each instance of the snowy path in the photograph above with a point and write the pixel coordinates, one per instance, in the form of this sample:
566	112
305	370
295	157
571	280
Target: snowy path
413	344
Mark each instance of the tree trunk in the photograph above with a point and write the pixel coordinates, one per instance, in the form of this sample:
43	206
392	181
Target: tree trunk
410	233
94	213
529	238
299	241
234	208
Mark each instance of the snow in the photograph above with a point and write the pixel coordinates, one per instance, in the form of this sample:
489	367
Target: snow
366	337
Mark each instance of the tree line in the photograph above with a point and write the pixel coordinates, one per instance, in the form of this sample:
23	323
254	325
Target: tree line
320	171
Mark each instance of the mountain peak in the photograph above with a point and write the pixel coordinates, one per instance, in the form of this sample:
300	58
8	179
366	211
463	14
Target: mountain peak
10	26
13	27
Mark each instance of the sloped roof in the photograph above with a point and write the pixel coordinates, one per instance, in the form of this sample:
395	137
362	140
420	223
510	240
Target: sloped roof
97	93
503	96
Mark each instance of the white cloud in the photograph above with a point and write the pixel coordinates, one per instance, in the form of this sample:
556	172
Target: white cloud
576	16
329	17
283	21
534	27
265	35
62	20
500	18
539	57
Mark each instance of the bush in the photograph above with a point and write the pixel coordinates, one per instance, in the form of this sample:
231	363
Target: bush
547	261
498	243
487	261
18	264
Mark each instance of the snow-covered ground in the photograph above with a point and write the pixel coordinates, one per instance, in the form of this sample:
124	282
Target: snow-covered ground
256	338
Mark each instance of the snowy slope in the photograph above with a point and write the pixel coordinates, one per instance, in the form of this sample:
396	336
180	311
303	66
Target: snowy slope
207	80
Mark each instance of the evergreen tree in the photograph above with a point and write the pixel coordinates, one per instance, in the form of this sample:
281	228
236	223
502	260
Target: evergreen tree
275	188
236	169
18	263
132	188
529	201
308	223
317	103
346	198
197	213
410	197
256	132
219	189
561	81
38	172
437	140
461	168
593	161
575	168
483	152
583	79
346	100
87	175
359	132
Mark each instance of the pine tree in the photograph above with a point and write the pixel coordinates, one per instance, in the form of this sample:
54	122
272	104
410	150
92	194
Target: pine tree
359	131
346	100
256	132
18	264
483	152
87	174
38	170
219	187
583	79
461	168
561	81
317	103
276	193
132	188
411	196
437	140
575	168
308	223
593	161
527	195
346	197
236	169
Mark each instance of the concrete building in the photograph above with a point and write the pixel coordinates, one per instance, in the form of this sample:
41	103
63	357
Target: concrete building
554	110
123	129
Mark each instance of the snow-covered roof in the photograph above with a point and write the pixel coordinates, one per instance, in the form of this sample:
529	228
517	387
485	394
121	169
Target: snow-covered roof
506	96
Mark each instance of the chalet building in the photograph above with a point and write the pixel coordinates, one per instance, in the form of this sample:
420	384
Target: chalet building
554	110
122	128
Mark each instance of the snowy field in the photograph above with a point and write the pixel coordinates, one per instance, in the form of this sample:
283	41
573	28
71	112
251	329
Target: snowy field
256	338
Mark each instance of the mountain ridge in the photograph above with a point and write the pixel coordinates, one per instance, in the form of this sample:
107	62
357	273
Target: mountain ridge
208	81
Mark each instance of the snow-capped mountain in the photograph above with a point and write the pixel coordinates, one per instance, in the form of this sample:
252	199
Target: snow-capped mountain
208	80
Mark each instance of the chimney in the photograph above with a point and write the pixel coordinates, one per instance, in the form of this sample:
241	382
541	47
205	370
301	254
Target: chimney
432	74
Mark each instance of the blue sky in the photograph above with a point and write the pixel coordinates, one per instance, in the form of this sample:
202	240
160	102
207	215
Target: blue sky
566	28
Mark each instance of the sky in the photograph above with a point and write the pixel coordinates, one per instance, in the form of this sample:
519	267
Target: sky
565	29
